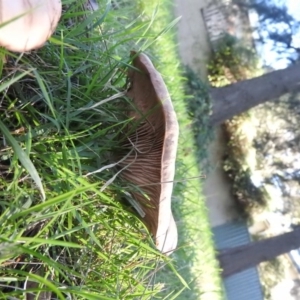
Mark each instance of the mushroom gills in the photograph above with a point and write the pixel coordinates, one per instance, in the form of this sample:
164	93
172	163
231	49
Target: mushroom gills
150	146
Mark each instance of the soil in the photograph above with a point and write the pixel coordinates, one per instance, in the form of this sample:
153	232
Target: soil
194	50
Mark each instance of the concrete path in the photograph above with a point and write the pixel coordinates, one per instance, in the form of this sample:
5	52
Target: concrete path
194	45
194	49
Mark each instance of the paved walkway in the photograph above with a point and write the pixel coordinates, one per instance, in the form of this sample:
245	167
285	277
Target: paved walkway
194	49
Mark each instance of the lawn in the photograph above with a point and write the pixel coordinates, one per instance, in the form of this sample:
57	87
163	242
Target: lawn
64	225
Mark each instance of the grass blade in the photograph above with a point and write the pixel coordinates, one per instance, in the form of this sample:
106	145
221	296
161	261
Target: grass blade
24	159
5	85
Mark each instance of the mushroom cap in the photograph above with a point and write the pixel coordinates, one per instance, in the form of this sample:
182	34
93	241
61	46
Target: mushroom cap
152	140
32	30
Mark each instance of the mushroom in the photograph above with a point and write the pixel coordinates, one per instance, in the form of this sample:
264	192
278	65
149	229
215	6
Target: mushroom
29	23
149	151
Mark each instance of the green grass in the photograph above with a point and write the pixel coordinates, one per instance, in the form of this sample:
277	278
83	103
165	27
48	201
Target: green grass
63	226
195	258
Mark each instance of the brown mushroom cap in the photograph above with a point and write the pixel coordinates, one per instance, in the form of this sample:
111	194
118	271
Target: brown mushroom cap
150	150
